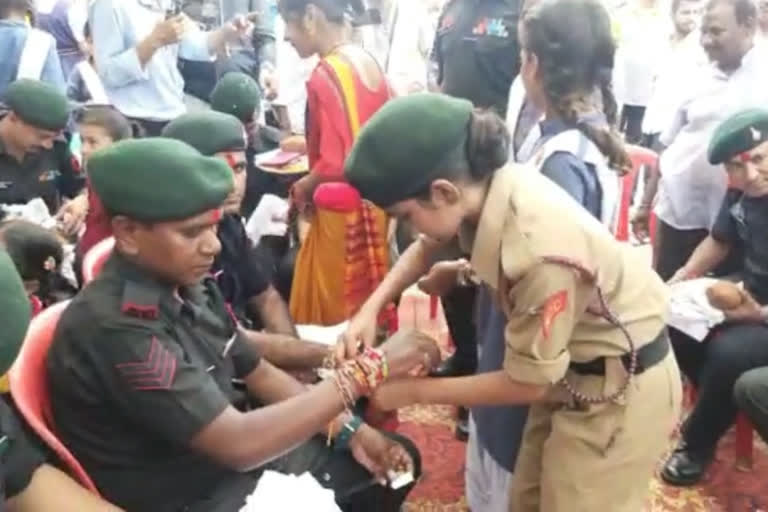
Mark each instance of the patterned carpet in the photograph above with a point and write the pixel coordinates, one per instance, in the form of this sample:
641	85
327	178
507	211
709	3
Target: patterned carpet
441	489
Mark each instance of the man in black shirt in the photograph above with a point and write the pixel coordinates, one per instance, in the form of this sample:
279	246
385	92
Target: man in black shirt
738	345
144	361
34	156
476	51
243	280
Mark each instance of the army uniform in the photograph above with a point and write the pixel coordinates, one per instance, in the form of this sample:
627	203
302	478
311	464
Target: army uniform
20	455
150	364
716	364
48	174
584	314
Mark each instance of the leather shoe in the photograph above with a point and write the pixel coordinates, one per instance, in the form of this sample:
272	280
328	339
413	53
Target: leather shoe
686	467
454	366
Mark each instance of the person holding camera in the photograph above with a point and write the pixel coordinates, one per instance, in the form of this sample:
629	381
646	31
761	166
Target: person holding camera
137	44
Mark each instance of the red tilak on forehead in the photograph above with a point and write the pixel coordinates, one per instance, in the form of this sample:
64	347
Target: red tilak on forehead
231	161
216	215
745	157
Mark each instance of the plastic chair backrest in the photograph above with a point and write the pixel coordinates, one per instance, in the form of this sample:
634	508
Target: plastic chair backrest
29	387
94	259
640	157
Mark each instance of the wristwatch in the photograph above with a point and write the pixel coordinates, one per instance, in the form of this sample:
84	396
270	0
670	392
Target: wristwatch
350	428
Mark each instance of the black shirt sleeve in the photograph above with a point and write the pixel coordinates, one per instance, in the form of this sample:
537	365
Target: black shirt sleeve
724	229
146	373
22	455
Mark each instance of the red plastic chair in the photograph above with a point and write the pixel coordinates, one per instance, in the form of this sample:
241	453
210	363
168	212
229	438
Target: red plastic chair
94	259
641	157
744	436
29	388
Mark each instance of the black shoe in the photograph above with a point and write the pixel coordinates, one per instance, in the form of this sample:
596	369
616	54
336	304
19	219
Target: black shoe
686	467
462	425
455	367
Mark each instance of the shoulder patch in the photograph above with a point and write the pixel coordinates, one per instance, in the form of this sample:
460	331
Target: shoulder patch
140	302
555	304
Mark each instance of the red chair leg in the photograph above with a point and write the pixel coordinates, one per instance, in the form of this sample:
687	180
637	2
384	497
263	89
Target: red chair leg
433	302
744	437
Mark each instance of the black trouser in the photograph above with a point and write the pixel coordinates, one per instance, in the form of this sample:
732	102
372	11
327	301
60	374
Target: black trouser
459	308
675	246
714	366
632	123
334	470
751	394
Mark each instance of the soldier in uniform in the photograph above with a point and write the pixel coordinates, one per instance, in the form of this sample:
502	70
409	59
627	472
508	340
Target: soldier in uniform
28	483
34	157
143	361
731	350
586	344
240	274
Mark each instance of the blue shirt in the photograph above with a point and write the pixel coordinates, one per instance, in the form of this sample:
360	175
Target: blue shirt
154	91
13	36
575	176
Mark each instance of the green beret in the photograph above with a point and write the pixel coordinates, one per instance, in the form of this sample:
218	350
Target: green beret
398	151
208	132
38	103
14	312
237	94
739	133
158	179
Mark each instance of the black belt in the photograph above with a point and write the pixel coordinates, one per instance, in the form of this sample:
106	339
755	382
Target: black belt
647	356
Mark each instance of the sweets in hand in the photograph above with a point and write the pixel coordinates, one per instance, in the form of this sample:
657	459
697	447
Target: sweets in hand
725	295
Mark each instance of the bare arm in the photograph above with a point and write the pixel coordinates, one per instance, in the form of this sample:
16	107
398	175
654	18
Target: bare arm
52	489
268	432
288	352
495	388
706	257
412	264
274	312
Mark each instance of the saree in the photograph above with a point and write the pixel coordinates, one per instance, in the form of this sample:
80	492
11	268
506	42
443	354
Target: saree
345	254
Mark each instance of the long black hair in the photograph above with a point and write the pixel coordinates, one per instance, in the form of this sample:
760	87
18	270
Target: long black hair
574	45
336	11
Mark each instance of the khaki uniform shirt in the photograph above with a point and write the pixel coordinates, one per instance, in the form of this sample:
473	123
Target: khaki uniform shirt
526	220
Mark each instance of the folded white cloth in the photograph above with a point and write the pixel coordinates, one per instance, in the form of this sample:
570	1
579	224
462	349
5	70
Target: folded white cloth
327	335
269	218
689	310
290	493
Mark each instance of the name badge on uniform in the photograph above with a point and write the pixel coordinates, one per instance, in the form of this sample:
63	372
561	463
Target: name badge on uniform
48	176
5	185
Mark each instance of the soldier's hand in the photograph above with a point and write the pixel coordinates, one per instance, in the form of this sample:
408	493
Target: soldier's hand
747	312
640	223
410	350
441	278
379	454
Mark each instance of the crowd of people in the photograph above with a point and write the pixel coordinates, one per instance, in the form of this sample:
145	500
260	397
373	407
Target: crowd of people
474	148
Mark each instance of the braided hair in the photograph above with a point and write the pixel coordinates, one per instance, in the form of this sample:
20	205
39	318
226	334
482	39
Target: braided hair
573	43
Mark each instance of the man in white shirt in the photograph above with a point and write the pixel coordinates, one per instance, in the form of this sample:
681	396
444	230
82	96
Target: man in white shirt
642	28
690	190
683	54
401	43
137	44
